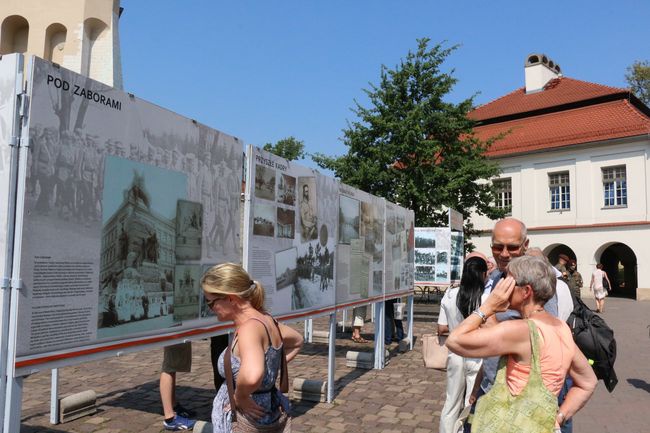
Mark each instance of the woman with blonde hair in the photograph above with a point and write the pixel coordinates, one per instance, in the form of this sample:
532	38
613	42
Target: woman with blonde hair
255	351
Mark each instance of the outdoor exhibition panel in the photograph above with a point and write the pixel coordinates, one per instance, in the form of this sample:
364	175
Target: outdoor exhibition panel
125	205
360	248
432	256
291	230
400	253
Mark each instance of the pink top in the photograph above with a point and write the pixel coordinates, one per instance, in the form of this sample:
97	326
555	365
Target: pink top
556	353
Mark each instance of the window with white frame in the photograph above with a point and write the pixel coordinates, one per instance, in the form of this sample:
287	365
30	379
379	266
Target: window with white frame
560	190
615	186
503	189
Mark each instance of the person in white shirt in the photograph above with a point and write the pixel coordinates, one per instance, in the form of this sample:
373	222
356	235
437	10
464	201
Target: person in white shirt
455	306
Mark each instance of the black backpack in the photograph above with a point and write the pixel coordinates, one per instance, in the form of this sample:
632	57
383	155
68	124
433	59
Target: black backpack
596	341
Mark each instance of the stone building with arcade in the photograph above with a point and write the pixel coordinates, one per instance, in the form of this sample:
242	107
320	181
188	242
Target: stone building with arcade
575	161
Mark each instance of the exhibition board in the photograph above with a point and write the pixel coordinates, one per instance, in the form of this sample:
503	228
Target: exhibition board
400	250
291	221
432	256
360	247
126	204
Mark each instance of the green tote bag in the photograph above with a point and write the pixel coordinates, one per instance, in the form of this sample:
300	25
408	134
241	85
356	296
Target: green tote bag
532	411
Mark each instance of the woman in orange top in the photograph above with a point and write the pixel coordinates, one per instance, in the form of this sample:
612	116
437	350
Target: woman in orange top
529	284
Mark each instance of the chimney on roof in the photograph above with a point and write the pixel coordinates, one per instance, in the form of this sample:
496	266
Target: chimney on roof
539	70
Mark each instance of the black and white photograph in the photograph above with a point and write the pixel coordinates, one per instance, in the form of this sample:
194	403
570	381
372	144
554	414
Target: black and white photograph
424	257
349	219
442	274
372	230
425	273
187	288
308	202
189	230
315	274
286	272
264	182
140	204
263	220
425	239
442	257
286	223
287	190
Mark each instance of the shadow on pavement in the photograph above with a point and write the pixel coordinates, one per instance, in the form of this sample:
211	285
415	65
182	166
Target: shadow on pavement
639	383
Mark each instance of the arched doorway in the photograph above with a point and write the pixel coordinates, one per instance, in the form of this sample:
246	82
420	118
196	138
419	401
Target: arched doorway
619	261
553	252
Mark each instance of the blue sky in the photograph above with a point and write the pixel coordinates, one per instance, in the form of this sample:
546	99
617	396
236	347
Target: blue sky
264	70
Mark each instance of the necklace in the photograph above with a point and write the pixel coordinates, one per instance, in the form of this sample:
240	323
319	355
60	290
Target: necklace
539	310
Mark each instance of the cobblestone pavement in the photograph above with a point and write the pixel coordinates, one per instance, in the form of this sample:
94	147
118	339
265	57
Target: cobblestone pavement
403	397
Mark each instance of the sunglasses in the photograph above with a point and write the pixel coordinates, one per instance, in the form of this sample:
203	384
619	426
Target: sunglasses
510	247
210	302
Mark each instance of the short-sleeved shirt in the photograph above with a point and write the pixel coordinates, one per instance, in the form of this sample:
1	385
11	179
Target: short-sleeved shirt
450	315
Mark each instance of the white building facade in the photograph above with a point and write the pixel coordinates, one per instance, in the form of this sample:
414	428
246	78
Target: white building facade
575	166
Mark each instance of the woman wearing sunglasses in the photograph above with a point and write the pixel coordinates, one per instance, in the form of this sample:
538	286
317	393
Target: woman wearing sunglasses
256	349
536	354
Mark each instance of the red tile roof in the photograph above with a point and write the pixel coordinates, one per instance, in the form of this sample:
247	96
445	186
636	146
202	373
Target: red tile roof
603	121
557	92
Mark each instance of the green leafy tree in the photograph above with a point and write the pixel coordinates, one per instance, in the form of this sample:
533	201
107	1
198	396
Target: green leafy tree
289	148
638	77
414	148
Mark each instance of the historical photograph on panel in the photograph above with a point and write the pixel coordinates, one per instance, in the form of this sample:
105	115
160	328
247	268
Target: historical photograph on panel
442	257
425	239
425	273
372	229
349	219
307	201
315	272
138	240
286	223
425	257
64	182
264	182
456	257
189	230
286	271
263	219
287	190
442	272
187	285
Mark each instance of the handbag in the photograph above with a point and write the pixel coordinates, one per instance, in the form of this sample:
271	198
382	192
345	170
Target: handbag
532	411
434	351
242	424
605	284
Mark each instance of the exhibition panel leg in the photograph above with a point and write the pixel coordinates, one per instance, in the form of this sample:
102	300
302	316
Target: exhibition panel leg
309	330
379	335
54	397
331	358
410	324
345	317
13	405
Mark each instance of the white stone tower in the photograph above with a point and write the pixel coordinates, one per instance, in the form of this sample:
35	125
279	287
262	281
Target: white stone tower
81	35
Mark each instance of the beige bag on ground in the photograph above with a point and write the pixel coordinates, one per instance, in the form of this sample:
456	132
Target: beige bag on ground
434	351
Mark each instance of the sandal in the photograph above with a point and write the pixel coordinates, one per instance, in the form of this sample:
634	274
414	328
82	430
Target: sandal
360	340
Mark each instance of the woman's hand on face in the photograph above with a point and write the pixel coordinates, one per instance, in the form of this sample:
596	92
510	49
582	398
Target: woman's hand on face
499	299
248	407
